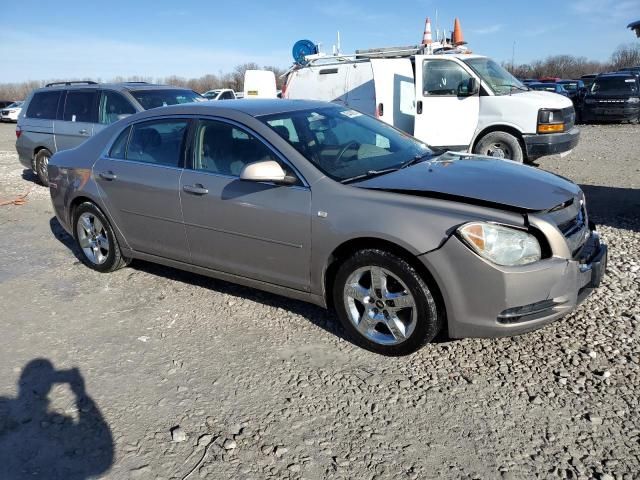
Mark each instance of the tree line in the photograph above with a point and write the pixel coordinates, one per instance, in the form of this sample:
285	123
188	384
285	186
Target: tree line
233	80
563	66
569	66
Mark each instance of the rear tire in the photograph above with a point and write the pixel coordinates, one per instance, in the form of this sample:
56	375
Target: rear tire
41	161
384	304
500	145
98	245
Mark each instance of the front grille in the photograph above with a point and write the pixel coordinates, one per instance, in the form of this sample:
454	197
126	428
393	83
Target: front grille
569	115
576	230
5	112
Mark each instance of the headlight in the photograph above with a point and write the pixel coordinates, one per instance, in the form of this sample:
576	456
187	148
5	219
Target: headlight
633	100
550	121
501	245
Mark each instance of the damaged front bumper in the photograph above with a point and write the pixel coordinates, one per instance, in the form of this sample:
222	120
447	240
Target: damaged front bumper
487	300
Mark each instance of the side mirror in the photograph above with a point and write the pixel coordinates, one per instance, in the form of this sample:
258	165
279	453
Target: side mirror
266	171
468	88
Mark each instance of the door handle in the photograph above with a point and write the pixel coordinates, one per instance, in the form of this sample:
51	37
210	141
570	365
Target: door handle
84	131
108	175
196	189
419	107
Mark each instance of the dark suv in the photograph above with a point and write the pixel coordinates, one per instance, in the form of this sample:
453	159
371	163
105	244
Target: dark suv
63	115
613	97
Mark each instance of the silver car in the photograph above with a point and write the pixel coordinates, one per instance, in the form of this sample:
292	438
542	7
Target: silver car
62	115
321	203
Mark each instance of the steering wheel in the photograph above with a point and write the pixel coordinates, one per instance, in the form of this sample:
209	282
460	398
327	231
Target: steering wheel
344	149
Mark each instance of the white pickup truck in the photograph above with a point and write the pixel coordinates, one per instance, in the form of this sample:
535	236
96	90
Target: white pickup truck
461	102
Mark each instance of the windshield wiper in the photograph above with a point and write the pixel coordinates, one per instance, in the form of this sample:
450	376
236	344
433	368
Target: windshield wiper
524	88
369	174
416	159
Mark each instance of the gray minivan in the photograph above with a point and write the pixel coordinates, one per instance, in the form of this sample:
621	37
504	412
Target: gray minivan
62	115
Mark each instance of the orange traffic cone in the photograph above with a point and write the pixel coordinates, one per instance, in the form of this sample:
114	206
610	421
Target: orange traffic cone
457	38
426	38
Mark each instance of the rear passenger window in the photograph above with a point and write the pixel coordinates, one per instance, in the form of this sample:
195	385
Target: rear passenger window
158	142
80	106
225	149
44	105
114	107
119	147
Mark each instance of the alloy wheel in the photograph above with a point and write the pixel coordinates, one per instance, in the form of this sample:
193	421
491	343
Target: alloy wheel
93	238
380	305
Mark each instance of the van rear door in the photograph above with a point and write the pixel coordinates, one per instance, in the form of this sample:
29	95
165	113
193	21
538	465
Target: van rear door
321	82
446	116
361	93
394	92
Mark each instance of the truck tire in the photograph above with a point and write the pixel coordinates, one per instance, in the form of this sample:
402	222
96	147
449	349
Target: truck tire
500	145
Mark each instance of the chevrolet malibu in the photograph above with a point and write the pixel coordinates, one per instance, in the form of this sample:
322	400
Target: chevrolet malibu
321	203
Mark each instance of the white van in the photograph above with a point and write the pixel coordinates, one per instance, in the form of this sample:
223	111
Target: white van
459	102
260	84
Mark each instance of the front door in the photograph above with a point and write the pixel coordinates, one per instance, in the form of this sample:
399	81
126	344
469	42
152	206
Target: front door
140	180
253	229
79	114
446	116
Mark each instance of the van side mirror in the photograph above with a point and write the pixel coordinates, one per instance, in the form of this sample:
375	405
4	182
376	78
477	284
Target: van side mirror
266	171
468	88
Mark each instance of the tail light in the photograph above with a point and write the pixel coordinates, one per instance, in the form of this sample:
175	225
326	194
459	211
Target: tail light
18	132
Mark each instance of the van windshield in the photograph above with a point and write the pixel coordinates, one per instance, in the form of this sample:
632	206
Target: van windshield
347	145
615	85
492	73
155	98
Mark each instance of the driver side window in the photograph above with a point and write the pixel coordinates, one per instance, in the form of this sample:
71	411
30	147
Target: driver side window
442	77
225	149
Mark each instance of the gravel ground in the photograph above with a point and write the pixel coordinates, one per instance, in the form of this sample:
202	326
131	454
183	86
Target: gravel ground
260	386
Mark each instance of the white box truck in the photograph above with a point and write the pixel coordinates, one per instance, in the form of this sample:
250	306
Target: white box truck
461	101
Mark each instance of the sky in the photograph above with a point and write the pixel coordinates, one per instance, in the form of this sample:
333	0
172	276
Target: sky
45	39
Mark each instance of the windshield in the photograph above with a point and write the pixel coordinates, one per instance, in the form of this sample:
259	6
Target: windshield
622	85
15	105
500	81
149	99
345	144
570	87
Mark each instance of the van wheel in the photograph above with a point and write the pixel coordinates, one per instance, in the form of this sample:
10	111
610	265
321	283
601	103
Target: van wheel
96	241
384	304
41	162
500	145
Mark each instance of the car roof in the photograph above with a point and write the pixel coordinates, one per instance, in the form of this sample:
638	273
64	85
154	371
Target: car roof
617	74
253	107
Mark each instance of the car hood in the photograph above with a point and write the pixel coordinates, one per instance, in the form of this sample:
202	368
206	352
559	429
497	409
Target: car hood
479	180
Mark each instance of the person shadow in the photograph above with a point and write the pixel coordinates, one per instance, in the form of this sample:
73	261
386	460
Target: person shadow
38	443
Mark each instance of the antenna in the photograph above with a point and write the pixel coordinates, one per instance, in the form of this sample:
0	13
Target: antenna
339	49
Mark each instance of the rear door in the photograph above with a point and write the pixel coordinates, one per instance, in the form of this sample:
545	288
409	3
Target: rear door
257	230
139	180
395	92
326	82
445	116
37	123
360	88
79	114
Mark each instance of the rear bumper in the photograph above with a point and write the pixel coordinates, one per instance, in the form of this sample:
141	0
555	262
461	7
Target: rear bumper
486	300
540	145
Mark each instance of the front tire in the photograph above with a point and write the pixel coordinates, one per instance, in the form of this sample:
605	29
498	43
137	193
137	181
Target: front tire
95	239
384	304
41	162
500	145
